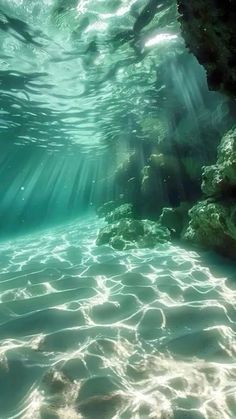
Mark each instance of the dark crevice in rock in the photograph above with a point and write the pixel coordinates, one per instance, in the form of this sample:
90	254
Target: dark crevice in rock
208	28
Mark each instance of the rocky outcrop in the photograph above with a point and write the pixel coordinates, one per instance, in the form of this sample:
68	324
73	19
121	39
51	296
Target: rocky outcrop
128	234
213	226
220	179
111	211
213	220
124	211
208	28
125	232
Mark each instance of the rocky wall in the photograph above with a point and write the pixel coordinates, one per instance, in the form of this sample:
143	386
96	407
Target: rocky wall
208	28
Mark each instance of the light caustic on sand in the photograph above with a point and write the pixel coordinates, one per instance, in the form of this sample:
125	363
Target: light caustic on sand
90	332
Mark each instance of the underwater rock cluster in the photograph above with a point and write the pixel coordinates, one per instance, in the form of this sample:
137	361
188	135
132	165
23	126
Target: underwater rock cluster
125	232
220	179
211	223
208	28
213	220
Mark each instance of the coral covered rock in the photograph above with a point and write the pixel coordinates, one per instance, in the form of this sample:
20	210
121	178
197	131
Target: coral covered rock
119	213
129	233
220	179
213	221
213	225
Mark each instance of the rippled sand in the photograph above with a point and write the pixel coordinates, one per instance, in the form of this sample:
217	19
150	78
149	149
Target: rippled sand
89	332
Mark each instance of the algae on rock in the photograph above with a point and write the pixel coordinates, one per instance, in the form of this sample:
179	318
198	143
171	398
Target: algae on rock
124	231
129	233
213	226
119	213
213	221
220	179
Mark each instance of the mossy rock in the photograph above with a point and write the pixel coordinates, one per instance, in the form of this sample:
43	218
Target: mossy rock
213	226
129	233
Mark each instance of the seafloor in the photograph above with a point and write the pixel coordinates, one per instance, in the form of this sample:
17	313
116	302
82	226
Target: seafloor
90	332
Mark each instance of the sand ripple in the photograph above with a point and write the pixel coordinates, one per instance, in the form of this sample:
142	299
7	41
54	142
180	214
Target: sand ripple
89	332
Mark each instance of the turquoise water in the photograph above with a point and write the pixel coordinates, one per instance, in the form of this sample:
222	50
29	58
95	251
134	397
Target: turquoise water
88	332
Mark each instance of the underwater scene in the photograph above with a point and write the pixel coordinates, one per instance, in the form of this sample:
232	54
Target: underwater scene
117	209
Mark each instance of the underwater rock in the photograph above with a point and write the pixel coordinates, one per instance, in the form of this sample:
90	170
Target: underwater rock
118	243
111	211
129	233
119	213
208	28
212	181
175	219
213	226
105	209
220	179
213	221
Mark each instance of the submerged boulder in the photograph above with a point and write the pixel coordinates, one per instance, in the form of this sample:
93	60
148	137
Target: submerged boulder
220	179
213	225
129	233
213	221
111	211
120	213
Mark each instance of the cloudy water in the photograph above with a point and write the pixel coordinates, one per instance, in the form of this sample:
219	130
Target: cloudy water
95	97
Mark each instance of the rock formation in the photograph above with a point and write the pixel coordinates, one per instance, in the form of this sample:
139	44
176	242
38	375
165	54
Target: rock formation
125	232
213	220
208	28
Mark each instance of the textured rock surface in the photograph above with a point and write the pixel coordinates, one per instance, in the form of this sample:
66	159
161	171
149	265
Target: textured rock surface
120	213
213	221
220	179
213	225
129	233
208	28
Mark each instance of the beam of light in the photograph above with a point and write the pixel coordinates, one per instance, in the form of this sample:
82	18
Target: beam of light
160	38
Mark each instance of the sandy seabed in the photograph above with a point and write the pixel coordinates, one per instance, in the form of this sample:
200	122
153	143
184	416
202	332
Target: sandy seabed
90	332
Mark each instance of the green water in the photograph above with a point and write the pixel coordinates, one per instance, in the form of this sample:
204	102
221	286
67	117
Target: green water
88	331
